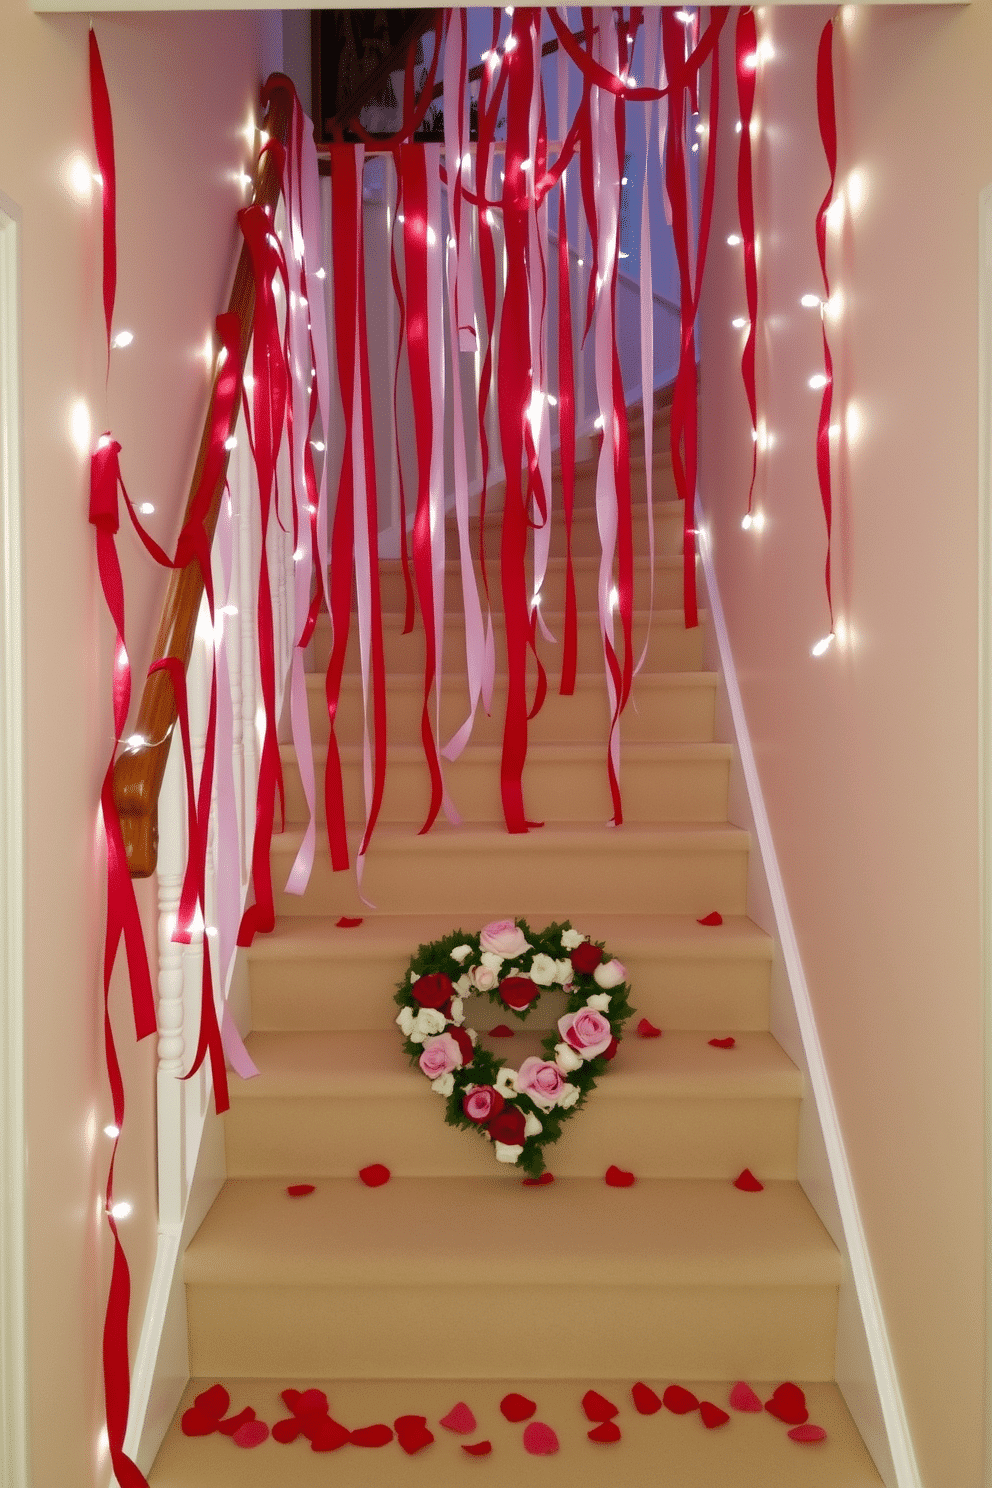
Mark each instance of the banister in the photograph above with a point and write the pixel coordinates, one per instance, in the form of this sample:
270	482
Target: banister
139	770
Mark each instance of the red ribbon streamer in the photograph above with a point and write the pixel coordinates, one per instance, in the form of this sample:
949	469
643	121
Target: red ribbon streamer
827	117
746	53
566	440
103	136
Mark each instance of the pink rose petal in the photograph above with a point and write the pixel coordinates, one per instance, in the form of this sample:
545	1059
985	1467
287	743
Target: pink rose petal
743	1398
251	1434
460	1419
807	1433
540	1440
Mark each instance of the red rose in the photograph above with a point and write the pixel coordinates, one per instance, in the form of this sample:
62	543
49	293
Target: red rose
483	1104
434	991
518	993
507	1127
586	957
464	1043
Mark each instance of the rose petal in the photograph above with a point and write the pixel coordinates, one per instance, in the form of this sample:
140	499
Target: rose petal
288	1430
747	1183
646	1402
712	1415
346	922
724	1043
679	1400
252	1434
379	1435
477	1449
597	1407
619	1178
607	1431
713	918
214	1402
586	957
460	1419
743	1398
517	1407
501	1031
413	1434
806	1433
788	1404
197	1423
648	1030
300	1190
234	1423
545	1177
517	993
306	1402
375	1175
326	1434
540	1440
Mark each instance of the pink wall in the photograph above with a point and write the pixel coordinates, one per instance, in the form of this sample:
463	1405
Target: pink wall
868	756
182	88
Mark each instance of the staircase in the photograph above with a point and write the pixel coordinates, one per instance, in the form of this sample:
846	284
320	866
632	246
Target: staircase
453	1282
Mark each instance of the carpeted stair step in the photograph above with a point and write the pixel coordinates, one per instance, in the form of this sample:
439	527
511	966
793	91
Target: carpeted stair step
667	590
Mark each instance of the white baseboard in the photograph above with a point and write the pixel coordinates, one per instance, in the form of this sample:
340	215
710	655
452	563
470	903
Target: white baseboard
865	1368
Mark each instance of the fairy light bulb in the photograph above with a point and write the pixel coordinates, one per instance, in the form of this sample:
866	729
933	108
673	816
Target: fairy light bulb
230	443
823	645
734	240
147	509
811	302
747	521
122	339
738	322
121	1210
818	380
113	1132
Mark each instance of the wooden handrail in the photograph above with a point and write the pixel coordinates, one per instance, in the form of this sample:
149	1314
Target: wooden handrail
139	770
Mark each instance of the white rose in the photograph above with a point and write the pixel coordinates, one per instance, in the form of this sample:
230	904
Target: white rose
460	952
568	1096
458	1010
543	970
444	1084
564	972
463	986
571	938
506	1082
567	1058
599	1000
482	978
406	1019
610	973
427	1022
531	1125
491	961
507	1153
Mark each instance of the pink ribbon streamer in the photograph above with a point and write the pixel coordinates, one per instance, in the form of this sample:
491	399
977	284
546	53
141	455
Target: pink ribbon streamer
827	118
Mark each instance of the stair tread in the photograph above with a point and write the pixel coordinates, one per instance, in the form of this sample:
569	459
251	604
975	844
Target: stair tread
636	750
584	681
569	837
371	1062
661	1232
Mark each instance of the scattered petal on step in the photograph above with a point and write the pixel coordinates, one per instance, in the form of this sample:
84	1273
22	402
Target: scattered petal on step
807	1433
724	1043
252	1434
713	918
712	1415
597	1407
747	1183
288	1430
619	1177
300	1190
214	1402
648	1030
606	1431
788	1404
346	922
540	1440
646	1402
460	1418
679	1400
413	1433
375	1175
501	1031
540	1182
379	1435
326	1434
743	1398
517	1407
477	1449
197	1423
234	1423
305	1402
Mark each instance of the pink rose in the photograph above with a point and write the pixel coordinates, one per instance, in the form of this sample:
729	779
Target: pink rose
541	1080
440	1054
482	978
587	1032
482	1103
504	938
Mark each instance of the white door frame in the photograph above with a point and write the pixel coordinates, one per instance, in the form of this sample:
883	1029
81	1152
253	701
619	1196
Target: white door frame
985	734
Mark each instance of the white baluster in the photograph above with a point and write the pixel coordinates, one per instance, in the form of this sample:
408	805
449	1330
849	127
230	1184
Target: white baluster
248	587
170	1012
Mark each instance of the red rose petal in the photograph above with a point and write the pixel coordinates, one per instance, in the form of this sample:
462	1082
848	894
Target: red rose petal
743	1398
808	1433
747	1183
619	1178
307	1401
477	1449
712	1415
610	1053
501	1031
300	1190
375	1175
252	1434
646	1402
288	1430
788	1404
713	918
214	1402
460	1419
234	1423
465	1044
346	922
539	1182
648	1030
379	1435
679	1400
326	1434
197	1423
413	1433
517	1407
597	1407
724	1043
607	1431
540	1440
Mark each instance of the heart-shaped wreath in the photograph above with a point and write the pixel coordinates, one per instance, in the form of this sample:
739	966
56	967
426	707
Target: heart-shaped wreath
521	1111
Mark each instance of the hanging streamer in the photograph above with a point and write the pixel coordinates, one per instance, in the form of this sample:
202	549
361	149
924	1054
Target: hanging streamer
566	406
746	55
652	62
827	117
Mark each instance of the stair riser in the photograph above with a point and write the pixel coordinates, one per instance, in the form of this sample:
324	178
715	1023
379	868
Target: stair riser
680	1138
667	591
357	991
557	790
527	1332
667	714
633	880
668	532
